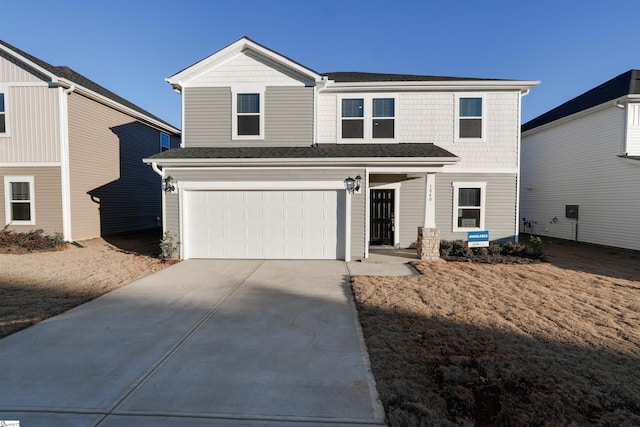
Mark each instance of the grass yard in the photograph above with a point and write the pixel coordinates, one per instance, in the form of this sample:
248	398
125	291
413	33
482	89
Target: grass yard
554	343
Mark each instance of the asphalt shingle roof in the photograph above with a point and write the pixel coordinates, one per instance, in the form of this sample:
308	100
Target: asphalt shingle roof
358	77
319	152
77	78
625	84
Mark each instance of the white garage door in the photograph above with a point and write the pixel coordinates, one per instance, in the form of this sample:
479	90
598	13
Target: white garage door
263	224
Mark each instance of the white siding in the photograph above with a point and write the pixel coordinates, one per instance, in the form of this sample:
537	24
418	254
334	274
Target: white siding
10	71
34	125
429	117
577	163
248	67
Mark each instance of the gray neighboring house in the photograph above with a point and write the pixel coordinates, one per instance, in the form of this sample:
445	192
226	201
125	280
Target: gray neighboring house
581	167
71	153
279	161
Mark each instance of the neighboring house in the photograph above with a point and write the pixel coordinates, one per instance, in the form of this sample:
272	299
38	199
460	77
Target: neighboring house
581	167
270	150
71	153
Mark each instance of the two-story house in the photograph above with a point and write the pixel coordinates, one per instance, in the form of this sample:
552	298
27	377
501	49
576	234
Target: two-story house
581	167
279	161
71	153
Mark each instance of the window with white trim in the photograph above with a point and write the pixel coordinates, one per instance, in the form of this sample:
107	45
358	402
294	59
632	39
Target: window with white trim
19	200
470	118
248	113
469	205
3	114
165	142
367	118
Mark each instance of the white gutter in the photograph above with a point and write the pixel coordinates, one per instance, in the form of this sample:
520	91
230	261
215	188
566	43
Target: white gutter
523	86
155	168
65	174
518	174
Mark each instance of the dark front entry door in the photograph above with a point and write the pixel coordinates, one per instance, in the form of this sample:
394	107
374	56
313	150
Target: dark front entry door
382	211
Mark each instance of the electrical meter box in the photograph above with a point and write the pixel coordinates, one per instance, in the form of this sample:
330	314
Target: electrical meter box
571	211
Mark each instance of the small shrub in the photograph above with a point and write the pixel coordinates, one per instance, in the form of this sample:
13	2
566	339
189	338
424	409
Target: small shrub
494	248
513	248
168	246
34	240
535	249
460	249
445	247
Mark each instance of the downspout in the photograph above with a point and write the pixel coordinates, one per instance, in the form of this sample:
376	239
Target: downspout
65	175
163	202
517	225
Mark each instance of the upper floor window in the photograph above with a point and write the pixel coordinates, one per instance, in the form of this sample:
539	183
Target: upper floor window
165	142
469	118
3	114
367	118
248	116
469	205
19	200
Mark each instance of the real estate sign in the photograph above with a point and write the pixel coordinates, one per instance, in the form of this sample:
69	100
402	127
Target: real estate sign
478	239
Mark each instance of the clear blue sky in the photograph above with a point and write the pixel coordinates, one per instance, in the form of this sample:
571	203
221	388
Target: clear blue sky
130	46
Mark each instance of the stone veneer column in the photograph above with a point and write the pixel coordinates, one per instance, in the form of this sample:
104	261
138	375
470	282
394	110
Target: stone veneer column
428	244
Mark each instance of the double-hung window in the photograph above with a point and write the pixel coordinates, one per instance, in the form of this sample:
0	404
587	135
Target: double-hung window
469	205
248	115
19	200
165	142
367	118
353	118
3	114
469	118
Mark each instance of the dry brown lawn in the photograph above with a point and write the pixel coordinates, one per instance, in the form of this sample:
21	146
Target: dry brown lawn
554	343
36	286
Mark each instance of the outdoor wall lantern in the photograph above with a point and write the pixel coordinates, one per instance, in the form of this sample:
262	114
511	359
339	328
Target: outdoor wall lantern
169	184
353	184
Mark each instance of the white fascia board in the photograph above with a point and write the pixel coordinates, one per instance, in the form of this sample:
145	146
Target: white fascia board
182	78
30	63
521	85
107	101
364	161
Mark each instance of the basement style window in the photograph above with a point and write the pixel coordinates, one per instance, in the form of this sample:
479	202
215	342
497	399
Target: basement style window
19	201
469	118
468	205
248	108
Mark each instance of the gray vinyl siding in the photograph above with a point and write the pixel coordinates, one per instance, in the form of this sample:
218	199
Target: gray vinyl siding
288	118
172	208
48	196
500	210
207	116
112	190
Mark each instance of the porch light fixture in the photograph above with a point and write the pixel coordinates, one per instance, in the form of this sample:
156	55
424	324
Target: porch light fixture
169	184
353	184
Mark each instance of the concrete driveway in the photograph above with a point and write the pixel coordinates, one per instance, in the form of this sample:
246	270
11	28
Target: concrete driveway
201	343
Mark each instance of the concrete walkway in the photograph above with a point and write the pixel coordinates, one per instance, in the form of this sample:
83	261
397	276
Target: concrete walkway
201	343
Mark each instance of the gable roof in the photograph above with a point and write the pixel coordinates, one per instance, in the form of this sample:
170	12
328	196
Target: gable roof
627	83
245	43
66	74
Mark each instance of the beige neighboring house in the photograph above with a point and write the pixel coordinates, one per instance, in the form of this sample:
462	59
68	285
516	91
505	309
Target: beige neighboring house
71	153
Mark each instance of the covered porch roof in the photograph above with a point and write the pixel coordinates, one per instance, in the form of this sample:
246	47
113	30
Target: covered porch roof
416	154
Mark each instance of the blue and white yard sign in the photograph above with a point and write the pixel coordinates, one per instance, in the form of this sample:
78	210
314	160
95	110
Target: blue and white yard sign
478	239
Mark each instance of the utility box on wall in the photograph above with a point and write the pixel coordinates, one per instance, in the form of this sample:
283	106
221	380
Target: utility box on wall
571	211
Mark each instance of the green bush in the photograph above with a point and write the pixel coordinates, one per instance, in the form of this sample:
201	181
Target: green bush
535	249
33	240
459	249
445	247
513	248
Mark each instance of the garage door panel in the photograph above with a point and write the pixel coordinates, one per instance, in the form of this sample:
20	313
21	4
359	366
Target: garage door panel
263	224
